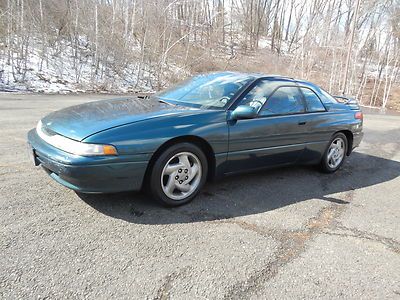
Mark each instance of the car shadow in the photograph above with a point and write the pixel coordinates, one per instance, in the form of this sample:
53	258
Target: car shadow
249	194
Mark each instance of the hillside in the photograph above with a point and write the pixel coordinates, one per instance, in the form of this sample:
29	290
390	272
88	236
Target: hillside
127	46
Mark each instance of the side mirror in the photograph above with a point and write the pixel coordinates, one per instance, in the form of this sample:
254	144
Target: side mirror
243	112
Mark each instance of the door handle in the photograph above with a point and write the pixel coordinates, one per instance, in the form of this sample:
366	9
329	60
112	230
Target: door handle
302	122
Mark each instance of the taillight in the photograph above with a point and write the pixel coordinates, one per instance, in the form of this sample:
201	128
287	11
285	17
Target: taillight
358	115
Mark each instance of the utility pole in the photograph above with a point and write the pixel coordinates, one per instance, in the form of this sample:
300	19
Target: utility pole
353	29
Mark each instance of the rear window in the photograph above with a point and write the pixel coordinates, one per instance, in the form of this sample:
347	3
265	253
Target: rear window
326	97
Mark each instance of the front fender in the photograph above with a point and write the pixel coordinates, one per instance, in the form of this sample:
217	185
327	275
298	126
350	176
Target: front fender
146	136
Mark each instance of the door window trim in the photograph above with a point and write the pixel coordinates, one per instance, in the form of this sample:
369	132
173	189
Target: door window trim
241	94
288	114
286	82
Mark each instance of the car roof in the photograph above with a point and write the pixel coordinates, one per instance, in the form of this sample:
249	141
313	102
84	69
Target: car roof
269	76
253	75
307	84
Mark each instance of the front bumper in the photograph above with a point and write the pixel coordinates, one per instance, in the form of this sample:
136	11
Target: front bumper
88	174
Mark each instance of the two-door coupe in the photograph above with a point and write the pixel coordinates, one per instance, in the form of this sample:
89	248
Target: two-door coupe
205	127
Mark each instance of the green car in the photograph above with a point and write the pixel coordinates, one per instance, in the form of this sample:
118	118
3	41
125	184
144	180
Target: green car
206	127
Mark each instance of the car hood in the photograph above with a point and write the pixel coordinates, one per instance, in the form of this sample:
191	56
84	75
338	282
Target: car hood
80	121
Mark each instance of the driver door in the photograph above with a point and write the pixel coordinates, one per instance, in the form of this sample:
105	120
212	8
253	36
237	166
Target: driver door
274	137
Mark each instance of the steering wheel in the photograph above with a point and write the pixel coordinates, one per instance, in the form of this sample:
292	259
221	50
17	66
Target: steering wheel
224	99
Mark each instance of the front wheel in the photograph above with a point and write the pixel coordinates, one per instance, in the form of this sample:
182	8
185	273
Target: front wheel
335	153
178	174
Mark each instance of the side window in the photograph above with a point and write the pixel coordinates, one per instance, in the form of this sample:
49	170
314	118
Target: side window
285	100
312	100
258	95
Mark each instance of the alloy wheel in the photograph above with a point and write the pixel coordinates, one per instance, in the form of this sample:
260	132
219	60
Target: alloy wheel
336	153
181	175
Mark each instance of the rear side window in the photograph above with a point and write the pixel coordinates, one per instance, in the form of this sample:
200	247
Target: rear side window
312	100
326	97
284	101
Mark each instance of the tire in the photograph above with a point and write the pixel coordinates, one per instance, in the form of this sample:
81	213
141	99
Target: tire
328	163
173	179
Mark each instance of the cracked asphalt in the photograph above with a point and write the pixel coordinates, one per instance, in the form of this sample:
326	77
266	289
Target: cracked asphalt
279	234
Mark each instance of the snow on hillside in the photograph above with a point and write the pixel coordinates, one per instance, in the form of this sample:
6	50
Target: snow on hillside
61	72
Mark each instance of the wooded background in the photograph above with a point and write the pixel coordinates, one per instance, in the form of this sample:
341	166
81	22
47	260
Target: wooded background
346	46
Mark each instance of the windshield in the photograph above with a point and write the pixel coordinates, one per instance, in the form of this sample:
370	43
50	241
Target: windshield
206	91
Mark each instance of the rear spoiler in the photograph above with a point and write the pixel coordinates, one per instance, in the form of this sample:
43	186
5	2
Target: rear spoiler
351	102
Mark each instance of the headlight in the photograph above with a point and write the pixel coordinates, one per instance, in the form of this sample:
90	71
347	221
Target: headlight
74	147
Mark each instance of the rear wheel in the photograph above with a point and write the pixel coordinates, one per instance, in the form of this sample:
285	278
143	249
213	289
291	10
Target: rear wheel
178	174
335	154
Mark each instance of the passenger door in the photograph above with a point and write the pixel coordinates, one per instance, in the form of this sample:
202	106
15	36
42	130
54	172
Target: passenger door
276	135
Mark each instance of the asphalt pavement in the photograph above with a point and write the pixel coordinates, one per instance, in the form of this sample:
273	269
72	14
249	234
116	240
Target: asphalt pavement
279	234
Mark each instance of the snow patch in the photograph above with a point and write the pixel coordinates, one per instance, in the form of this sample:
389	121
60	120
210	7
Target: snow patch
60	69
